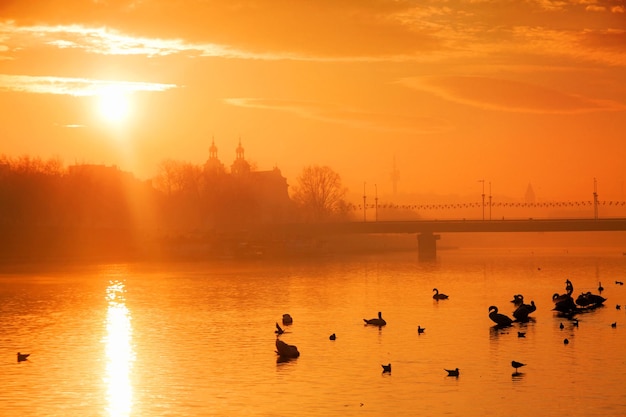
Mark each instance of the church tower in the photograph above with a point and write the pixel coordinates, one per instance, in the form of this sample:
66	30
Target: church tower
240	166
213	165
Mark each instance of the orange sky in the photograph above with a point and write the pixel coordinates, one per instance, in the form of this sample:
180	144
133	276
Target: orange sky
512	92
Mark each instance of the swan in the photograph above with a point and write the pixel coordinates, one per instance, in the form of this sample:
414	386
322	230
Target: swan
499	319
286	351
521	313
563	303
377	321
588	299
518	299
438	296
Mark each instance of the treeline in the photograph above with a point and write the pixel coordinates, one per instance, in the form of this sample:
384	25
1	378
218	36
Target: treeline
52	211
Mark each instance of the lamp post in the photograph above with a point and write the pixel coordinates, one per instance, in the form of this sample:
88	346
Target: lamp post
595	199
489	200
483	195
364	203
376	202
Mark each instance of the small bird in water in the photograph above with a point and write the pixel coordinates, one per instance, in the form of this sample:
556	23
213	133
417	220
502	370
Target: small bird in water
332	336
420	330
521	334
618	307
386	368
565	341
21	357
517	365
452	372
619	282
278	330
614	324
561	326
600	287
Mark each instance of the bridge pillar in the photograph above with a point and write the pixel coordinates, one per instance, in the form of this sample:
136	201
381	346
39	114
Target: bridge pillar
427	246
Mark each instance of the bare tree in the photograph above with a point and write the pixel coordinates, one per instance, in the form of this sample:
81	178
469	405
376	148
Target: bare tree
319	193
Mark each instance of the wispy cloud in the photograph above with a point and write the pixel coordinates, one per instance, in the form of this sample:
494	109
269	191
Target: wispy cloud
351	117
78	87
506	95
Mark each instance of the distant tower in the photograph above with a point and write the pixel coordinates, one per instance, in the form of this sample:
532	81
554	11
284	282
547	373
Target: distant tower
240	166
529	197
213	164
395	176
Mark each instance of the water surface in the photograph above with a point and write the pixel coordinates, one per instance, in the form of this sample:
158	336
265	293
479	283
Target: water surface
198	339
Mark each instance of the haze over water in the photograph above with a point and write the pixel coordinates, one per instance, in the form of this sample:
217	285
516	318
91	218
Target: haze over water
198	339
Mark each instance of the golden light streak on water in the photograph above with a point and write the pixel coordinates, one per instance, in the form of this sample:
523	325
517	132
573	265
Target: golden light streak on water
119	353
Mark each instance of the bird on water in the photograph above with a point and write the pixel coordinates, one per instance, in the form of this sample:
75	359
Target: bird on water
517	365
420	330
379	321
386	368
498	318
21	357
438	296
452	372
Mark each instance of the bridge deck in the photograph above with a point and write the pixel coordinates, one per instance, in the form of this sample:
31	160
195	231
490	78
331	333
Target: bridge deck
461	226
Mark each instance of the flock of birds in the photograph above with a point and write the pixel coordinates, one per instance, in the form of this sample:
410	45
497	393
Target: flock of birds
564	304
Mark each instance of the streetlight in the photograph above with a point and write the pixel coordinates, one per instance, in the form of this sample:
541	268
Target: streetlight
483	181
364	203
489	200
376	201
595	199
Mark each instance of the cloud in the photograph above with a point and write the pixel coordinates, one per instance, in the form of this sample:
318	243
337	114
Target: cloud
355	118
506	95
78	87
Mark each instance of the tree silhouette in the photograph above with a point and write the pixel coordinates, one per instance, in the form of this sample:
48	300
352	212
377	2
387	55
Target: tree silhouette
320	194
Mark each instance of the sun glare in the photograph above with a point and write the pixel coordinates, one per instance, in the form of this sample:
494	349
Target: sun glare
114	105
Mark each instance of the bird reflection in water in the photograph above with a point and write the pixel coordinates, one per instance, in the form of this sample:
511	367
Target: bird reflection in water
119	352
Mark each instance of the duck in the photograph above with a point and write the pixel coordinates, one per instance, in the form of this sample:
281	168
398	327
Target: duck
285	350
517	365
521	334
21	357
438	296
287	319
452	372
523	310
498	318
332	336
377	321
420	330
386	368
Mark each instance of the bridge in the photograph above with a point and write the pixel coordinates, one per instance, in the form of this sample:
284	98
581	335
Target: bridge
428	230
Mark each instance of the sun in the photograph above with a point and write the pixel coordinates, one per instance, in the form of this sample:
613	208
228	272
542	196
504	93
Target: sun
114	105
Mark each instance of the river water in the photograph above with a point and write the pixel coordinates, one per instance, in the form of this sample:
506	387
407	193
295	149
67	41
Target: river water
197	339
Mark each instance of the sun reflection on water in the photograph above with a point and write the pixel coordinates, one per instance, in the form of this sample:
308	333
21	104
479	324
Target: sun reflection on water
119	352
